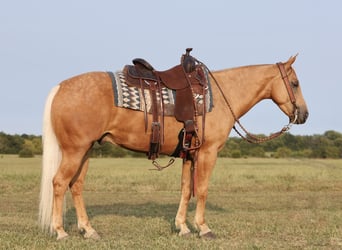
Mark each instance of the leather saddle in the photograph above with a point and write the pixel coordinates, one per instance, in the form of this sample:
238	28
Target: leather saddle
187	79
172	78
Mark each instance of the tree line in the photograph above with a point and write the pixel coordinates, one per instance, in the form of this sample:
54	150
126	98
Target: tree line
327	145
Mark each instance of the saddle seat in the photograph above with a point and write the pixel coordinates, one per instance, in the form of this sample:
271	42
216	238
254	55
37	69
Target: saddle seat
172	78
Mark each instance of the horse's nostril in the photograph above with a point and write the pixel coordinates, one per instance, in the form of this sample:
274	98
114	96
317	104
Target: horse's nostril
306	115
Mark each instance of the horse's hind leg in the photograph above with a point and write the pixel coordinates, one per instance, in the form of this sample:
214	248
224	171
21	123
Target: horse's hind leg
76	191
69	167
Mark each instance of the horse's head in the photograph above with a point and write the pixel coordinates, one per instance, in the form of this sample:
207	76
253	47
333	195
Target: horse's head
287	94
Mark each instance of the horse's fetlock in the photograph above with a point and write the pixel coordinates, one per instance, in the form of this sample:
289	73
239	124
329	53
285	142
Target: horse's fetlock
62	235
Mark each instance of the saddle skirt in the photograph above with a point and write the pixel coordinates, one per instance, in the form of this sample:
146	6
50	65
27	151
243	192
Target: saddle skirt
131	97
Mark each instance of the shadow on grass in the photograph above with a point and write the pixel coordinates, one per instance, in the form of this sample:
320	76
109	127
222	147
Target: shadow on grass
147	209
140	210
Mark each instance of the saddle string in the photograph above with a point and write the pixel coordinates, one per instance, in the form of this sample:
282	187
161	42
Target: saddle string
161	107
249	137
160	167
145	103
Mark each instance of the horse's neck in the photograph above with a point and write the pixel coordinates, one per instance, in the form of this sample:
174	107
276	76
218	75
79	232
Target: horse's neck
245	86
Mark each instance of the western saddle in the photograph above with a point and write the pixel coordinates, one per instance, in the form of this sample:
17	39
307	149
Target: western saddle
187	79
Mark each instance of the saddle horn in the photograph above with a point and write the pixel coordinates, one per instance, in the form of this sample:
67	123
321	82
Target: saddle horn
188	62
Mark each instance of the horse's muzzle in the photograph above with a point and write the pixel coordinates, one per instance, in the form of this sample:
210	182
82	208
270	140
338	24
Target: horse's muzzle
302	116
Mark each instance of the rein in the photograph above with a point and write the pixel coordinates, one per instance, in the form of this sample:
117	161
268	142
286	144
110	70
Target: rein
249	137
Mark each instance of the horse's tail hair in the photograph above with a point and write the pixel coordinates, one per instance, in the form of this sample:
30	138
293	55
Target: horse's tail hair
50	163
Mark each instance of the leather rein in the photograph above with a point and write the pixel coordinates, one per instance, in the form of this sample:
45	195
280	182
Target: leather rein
251	138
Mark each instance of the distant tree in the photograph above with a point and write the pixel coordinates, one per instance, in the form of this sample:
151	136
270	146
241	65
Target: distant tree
257	152
137	154
109	150
272	145
119	152
332	135
283	152
229	147
37	145
319	145
290	141
26	153
305	153
27	149
10	144
236	153
330	152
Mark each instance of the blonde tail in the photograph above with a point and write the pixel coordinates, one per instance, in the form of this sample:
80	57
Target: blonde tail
50	163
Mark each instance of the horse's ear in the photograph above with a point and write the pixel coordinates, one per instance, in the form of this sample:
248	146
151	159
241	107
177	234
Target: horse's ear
291	60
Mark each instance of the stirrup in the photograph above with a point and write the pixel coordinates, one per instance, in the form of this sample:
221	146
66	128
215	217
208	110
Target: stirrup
187	144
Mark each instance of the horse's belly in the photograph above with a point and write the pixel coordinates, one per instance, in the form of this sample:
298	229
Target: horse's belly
128	130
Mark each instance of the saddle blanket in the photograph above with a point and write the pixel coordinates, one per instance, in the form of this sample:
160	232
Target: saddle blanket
132	98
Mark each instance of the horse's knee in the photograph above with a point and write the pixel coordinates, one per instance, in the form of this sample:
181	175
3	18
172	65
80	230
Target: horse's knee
201	192
59	186
186	193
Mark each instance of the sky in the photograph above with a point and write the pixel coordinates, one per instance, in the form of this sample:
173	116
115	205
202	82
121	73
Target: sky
45	42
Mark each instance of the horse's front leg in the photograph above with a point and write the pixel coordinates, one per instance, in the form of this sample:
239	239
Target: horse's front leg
205	164
180	220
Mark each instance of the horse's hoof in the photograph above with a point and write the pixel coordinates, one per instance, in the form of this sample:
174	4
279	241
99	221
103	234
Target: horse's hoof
62	236
185	235
183	230
208	236
92	235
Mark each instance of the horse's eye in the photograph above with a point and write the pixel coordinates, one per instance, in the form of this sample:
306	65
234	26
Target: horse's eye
295	83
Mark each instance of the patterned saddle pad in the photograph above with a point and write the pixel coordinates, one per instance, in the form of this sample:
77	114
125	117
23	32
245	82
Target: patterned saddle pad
133	98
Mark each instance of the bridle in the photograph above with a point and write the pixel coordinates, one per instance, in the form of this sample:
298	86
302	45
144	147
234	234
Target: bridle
289	89
257	139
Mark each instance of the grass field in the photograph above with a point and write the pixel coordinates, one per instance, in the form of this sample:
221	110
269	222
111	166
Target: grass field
252	204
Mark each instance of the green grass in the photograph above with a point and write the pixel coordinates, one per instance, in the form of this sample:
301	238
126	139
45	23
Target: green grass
252	204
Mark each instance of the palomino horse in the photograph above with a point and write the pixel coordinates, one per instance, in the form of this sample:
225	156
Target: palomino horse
80	111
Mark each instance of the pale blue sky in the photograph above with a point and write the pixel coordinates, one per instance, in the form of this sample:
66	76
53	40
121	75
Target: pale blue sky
45	42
